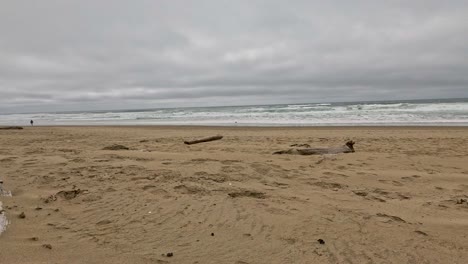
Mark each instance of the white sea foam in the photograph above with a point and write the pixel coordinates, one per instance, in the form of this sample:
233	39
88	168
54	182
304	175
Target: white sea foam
3	220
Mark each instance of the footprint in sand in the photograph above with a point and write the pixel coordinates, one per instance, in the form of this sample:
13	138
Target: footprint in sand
191	189
229	162
328	173
277	184
410	178
247	193
8	159
381	195
395	183
230	169
458	202
329	185
266	168
361	193
391	218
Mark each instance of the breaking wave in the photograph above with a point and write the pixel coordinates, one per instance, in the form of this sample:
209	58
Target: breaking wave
313	114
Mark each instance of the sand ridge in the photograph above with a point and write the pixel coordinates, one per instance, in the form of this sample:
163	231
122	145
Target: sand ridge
400	198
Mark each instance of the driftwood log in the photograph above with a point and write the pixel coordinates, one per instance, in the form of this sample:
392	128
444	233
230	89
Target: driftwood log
347	148
11	127
201	140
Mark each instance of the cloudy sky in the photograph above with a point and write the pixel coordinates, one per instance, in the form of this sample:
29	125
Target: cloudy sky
94	54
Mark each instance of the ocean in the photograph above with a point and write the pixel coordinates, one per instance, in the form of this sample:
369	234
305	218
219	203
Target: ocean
443	112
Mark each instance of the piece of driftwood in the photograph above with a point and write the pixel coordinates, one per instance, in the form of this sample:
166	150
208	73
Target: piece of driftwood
201	140
11	127
347	148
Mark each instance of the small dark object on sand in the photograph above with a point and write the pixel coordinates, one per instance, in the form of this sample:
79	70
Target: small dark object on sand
34	238
461	201
48	246
421	232
247	193
22	215
170	254
347	148
12	127
201	140
38	208
300	145
212	234
321	241
68	195
116	147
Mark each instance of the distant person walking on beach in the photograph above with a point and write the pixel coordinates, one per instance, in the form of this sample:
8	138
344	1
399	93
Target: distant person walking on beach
32	123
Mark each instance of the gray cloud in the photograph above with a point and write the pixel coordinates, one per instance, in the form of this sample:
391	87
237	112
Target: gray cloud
80	55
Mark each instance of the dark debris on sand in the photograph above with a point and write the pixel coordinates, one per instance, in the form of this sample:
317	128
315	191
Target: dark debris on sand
48	246
252	194
66	195
116	147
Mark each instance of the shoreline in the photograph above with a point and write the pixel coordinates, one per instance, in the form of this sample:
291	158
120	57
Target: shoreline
246	125
396	127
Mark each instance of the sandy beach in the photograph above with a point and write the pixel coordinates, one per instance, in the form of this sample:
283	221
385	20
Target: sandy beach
400	198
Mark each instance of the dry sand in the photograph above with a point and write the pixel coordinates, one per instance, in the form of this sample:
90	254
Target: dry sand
399	199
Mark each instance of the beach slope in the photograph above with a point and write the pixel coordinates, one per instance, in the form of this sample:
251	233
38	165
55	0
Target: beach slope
401	197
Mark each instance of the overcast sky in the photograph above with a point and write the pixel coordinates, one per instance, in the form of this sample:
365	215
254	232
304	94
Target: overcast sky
81	55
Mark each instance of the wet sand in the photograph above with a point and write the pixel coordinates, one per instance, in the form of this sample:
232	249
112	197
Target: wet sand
400	198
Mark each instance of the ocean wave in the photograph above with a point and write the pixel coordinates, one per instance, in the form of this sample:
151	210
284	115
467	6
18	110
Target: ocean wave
292	114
